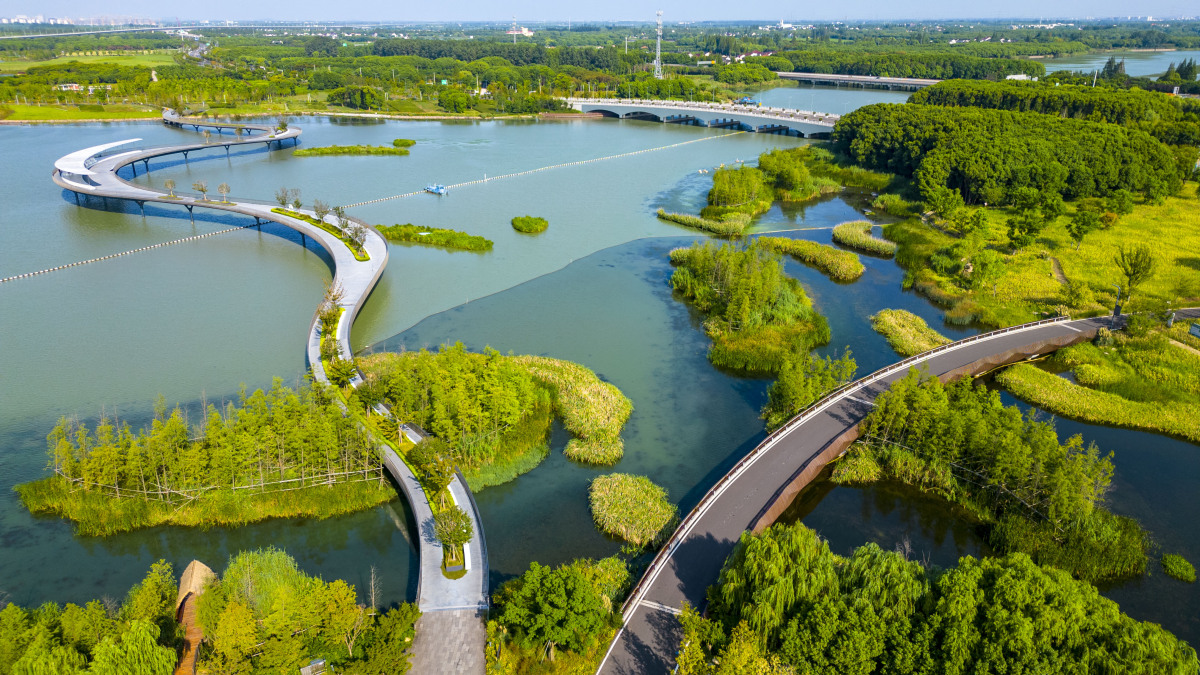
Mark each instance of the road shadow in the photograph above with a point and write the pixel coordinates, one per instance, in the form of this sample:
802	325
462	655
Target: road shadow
694	567
648	644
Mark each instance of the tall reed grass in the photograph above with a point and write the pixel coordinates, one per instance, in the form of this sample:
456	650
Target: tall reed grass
857	234
906	332
631	507
435	236
729	225
838	264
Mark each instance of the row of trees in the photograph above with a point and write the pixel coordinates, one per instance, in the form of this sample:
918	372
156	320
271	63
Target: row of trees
277	439
988	155
784	600
138	635
942	64
1039	495
1172	120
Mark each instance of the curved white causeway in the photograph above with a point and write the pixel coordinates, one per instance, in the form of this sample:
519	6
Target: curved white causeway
93	173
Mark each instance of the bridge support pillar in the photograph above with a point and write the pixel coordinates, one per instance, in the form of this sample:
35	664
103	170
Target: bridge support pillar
134	167
226	150
146	165
303	240
190	214
76	198
142	205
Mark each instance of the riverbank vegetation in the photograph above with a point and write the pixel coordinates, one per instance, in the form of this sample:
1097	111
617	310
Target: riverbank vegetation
435	236
493	412
858	235
266	615
1034	494
838	264
783	600
756	315
277	453
556	620
631	507
906	332
350	150
351	234
138	635
529	224
1178	567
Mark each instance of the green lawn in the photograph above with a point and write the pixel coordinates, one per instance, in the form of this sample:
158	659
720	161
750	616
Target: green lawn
147	60
71	112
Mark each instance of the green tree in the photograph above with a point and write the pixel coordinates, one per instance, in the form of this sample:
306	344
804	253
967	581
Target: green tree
802	381
223	188
170	185
1136	262
137	651
235	637
201	186
1082	223
546	607
452	527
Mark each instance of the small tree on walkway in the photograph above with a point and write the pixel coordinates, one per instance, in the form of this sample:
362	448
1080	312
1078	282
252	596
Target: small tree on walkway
452	527
294	193
223	188
321	209
170	185
281	196
201	186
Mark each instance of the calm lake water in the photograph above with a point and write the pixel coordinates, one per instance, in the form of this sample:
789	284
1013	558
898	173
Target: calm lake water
204	317
1136	63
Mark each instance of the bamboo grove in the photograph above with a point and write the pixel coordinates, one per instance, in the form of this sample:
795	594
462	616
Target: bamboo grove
279	439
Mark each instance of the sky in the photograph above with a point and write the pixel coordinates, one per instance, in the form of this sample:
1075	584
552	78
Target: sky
532	11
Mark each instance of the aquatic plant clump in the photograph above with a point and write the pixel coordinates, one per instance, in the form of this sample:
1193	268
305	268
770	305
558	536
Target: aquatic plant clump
591	409
906	332
435	236
857	234
838	264
403	143
350	150
1178	567
728	225
529	224
631	507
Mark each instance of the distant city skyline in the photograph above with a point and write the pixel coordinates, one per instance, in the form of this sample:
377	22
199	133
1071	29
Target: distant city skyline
617	10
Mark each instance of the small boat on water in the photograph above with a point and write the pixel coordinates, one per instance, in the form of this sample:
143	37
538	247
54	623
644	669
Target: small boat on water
436	189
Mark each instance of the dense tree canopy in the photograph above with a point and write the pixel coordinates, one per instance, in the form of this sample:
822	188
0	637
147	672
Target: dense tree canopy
877	612
988	155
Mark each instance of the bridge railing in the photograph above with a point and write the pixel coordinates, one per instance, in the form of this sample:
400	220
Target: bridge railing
808	413
768	111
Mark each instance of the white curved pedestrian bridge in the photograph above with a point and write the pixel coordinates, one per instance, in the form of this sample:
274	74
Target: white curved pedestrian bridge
760	119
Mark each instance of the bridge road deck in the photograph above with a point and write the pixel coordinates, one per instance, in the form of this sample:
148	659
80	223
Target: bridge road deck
650	638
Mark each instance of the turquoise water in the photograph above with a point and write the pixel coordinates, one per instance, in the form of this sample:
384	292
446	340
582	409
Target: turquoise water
204	317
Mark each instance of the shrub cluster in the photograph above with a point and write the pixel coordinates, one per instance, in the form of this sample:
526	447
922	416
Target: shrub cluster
857	234
529	224
838	264
435	236
631	507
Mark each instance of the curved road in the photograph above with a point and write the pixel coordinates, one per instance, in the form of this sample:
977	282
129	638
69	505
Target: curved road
452	608
763	483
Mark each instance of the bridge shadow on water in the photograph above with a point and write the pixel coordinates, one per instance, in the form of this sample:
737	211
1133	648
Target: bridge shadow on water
200	215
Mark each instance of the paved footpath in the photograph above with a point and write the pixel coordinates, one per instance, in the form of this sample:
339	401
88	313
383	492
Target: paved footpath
753	493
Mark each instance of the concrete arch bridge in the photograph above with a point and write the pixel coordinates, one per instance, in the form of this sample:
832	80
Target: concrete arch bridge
754	118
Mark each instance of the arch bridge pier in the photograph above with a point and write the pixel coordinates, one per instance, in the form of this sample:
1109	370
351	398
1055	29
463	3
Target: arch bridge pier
757	119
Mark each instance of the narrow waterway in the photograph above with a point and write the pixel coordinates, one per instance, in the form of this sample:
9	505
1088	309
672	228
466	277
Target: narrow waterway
1137	63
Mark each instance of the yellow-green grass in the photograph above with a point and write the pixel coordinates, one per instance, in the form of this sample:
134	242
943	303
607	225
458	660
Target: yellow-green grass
119	58
857	234
906	332
838	264
435	236
38	113
594	411
98	514
631	507
530	224
1027	288
1067	399
728	225
1180	333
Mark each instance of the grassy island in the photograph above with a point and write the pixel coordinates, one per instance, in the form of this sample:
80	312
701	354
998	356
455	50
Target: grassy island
906	332
493	412
784	601
858	235
529	224
273	454
757	316
435	236
728	225
403	143
327	150
838	264
1034	494
631	507
1178	567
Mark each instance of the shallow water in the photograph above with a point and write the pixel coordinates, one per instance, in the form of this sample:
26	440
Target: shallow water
1137	64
